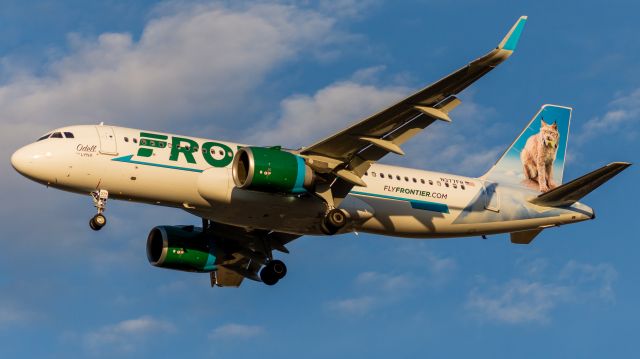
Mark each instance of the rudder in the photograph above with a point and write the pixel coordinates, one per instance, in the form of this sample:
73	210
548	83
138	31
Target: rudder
536	158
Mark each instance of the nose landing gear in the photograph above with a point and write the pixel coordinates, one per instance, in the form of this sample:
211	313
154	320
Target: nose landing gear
100	202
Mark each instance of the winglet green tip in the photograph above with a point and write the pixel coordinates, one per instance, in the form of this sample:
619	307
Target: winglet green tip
511	40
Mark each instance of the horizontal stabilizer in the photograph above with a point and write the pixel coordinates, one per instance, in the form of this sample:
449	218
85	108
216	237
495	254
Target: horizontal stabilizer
571	192
524	237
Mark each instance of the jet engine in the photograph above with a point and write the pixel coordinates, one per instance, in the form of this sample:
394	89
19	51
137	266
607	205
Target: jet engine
270	169
181	248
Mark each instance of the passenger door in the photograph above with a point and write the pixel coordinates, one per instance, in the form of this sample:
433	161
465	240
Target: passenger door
107	137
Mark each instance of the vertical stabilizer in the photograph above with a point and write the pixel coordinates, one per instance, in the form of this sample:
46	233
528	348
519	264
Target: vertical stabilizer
536	158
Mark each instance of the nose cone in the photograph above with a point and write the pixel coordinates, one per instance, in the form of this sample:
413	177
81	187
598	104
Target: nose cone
33	161
20	160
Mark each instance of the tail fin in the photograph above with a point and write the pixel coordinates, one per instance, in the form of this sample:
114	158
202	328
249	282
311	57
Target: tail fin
536	158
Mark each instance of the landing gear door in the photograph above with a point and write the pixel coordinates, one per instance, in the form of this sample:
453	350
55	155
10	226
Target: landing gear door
107	140
492	197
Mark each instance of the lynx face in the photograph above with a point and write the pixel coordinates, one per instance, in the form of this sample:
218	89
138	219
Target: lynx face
549	134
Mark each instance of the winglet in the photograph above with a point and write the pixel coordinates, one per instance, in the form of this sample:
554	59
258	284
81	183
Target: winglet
511	40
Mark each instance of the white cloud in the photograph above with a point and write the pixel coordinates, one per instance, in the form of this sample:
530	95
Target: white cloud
305	119
386	282
623	113
127	335
353	306
373	289
13	315
518	301
435	268
200	59
352	8
534	297
601	276
234	330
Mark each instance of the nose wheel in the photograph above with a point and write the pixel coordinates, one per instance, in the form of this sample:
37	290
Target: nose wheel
97	222
100	202
273	271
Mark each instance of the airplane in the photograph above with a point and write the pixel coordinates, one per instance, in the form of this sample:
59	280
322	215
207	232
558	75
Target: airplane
254	200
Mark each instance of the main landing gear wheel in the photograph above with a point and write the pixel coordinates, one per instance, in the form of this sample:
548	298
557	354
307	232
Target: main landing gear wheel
273	272
97	222
100	202
333	221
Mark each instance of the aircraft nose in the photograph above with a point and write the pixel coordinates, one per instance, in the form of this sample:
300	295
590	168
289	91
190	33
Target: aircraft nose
32	161
20	160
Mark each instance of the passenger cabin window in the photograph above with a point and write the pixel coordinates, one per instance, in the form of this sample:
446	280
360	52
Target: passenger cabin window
56	135
44	137
415	181
430	183
68	135
406	178
398	177
446	184
455	185
422	180
135	140
462	187
126	139
382	175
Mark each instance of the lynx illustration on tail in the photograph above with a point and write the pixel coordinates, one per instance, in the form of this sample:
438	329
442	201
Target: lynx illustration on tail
538	156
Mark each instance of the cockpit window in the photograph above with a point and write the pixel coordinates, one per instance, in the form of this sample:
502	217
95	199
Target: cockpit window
68	135
44	137
56	135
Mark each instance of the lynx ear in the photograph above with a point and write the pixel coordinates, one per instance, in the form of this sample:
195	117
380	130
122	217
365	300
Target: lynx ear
542	123
555	125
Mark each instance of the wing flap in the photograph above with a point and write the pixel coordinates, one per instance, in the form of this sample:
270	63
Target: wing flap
225	277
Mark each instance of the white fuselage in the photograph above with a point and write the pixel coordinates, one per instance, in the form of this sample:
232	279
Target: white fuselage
397	201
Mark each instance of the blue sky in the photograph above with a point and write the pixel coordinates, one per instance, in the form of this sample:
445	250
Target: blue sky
289	73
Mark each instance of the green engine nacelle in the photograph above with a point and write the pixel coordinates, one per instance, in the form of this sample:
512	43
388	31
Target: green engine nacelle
269	169
182	248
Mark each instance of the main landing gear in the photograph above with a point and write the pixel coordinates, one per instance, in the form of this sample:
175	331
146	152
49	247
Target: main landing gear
333	221
273	271
100	202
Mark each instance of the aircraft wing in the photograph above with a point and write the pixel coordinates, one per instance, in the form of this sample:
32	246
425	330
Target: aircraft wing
348	154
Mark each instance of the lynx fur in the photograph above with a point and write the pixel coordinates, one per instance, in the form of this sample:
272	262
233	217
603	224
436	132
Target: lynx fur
538	155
